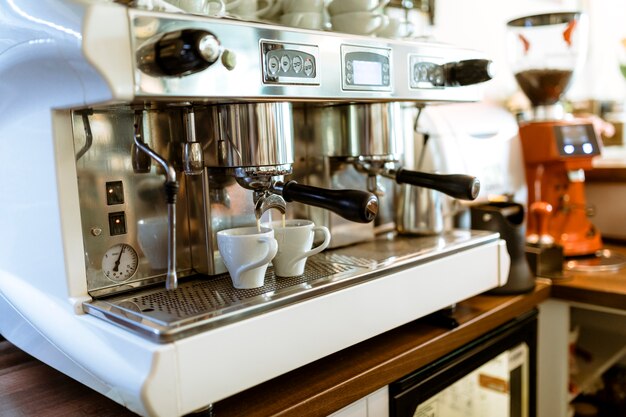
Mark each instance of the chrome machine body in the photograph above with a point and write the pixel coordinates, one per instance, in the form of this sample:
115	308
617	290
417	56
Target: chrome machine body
98	121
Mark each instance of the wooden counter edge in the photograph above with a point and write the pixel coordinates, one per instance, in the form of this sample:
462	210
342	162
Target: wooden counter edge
333	382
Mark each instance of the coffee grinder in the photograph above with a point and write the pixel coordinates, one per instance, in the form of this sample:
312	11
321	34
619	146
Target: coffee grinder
545	50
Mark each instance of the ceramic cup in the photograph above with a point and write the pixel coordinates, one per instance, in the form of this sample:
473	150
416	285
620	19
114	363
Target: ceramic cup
152	238
305	20
294	245
347	6
246	252
203	7
310	6
396	28
359	23
251	9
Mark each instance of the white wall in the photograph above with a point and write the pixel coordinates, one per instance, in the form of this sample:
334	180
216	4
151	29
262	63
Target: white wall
481	24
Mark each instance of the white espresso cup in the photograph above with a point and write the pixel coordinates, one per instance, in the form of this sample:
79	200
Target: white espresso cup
310	6
250	9
294	245
152	238
202	7
304	20
246	252
359	23
349	6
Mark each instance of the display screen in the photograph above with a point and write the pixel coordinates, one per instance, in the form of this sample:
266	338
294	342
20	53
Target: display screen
574	135
576	139
367	73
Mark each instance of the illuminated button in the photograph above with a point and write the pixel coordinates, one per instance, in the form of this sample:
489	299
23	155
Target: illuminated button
569	149
285	63
117	223
309	67
273	65
296	64
115	193
587	148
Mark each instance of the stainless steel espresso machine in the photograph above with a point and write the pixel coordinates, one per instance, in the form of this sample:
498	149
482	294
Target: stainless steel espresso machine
131	136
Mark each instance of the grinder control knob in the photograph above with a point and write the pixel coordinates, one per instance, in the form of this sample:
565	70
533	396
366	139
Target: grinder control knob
179	53
470	71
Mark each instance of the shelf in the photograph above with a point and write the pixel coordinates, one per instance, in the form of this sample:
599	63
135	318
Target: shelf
605	348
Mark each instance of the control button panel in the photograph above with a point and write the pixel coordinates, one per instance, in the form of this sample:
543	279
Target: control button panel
365	69
287	63
576	140
426	72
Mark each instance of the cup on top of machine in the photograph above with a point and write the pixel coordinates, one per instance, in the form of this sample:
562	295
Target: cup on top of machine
247	252
295	238
202	7
337	7
306	14
252	9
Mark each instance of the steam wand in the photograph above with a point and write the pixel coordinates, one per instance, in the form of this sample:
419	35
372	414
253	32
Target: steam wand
171	189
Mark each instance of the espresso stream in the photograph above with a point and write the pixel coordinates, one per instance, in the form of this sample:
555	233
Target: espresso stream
258	223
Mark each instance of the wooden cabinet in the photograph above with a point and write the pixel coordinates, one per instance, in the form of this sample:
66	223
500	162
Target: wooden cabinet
595	304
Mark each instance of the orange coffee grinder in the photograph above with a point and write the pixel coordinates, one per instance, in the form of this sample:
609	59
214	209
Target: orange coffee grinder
545	50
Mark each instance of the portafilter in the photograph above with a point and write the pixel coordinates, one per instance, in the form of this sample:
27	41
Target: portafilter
254	143
368	136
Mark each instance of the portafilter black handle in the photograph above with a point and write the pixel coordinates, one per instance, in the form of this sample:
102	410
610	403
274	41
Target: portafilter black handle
464	187
355	205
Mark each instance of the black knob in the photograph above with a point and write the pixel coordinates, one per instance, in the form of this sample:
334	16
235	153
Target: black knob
470	71
460	186
355	205
179	53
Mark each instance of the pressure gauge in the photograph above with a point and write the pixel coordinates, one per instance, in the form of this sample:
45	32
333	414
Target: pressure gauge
119	263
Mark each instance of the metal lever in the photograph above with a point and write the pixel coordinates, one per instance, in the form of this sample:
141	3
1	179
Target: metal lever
171	190
355	205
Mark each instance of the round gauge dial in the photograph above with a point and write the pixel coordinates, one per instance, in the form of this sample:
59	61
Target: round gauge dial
119	263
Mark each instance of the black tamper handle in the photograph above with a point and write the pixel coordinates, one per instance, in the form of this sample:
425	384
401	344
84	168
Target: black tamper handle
355	205
464	187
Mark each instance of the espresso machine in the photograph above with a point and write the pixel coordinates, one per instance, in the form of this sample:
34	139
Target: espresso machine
545	51
132	135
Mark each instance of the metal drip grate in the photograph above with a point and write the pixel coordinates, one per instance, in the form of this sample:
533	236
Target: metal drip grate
205	295
201	303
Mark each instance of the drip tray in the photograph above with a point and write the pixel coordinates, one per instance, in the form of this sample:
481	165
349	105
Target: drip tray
203	302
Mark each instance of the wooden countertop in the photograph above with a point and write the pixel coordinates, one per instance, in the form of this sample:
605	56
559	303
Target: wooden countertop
28	387
604	289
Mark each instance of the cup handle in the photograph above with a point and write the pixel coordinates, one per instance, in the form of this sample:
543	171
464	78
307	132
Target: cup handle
271	252
384	21
218	10
261	12
232	4
319	247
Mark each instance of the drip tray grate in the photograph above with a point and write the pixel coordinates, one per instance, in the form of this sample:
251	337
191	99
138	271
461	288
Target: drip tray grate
201	302
204	295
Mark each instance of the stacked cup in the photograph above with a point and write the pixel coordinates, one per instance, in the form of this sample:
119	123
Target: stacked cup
306	14
252	9
359	17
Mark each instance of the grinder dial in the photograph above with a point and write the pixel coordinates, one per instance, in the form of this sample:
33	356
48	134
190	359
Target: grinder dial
119	263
